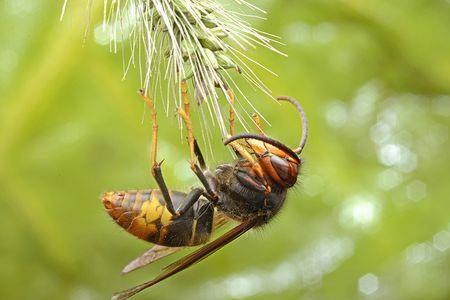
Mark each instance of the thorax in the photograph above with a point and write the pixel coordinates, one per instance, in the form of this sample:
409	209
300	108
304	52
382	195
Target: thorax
240	202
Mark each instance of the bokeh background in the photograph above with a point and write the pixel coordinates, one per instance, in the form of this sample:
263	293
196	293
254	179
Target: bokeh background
370	219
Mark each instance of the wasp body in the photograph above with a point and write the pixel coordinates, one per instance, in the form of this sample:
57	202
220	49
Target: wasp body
145	215
251	191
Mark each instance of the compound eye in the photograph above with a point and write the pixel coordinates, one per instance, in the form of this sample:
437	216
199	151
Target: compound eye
287	171
280	165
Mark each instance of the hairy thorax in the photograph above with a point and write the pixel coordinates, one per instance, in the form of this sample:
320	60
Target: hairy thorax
241	202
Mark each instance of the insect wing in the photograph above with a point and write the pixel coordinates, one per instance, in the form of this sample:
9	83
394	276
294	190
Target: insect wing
190	259
158	252
210	248
153	254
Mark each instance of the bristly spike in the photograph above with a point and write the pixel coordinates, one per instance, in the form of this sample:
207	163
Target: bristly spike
196	40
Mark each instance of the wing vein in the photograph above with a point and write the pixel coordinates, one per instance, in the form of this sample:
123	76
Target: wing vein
190	259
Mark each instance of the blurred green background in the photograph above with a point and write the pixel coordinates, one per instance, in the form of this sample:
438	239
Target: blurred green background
370	219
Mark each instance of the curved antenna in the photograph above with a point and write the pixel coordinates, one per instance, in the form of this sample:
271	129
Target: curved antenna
297	105
262	138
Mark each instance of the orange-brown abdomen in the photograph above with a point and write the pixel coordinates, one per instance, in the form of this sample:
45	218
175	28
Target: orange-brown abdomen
144	214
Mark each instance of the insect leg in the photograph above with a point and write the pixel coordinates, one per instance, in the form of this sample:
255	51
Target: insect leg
193	145
191	198
231	117
257	121
156	167
210	194
240	151
200	172
186	116
157	174
199	155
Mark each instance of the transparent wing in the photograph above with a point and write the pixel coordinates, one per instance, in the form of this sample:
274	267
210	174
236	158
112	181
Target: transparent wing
190	259
153	254
158	252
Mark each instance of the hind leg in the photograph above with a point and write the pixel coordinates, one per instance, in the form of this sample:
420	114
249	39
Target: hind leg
194	149
156	167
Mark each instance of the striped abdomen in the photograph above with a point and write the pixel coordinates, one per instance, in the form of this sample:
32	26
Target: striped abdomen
144	214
